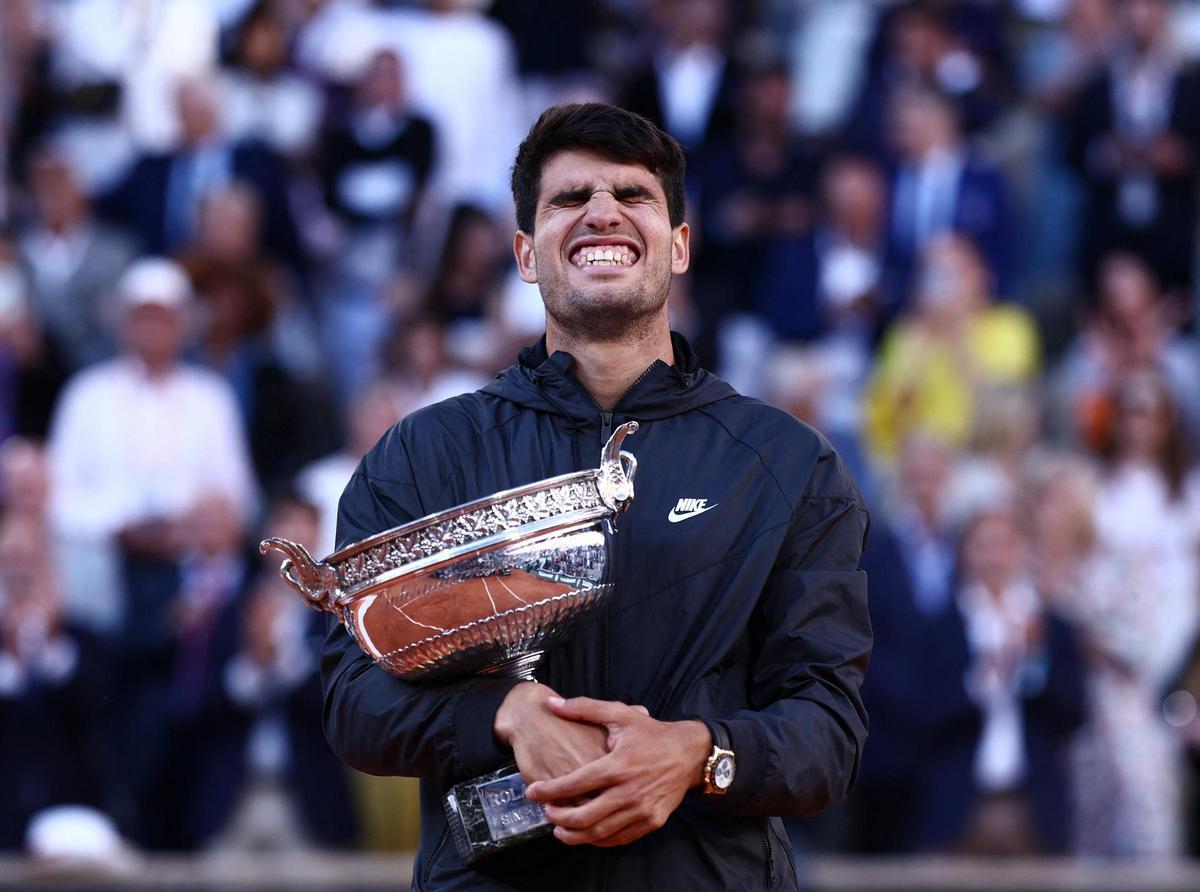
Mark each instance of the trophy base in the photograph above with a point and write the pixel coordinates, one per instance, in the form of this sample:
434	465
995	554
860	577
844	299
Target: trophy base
490	813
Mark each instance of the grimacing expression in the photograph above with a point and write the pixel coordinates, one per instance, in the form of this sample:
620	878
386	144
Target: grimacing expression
603	249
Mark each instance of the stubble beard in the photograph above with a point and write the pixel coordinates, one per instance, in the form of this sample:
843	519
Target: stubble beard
617	315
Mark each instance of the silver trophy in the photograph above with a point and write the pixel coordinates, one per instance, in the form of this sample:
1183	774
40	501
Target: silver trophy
479	589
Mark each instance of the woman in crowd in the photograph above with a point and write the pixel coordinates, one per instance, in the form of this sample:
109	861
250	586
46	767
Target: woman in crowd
1137	609
955	341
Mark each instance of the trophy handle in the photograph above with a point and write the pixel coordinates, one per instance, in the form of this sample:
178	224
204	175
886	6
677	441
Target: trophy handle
315	581
617	469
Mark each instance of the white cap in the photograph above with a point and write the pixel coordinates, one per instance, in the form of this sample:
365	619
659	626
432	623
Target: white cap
72	832
154	280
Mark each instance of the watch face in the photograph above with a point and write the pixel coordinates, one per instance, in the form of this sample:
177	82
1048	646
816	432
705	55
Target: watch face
722	775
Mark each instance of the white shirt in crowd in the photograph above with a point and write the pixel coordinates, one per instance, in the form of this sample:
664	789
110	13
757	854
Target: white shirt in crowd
127	448
996	635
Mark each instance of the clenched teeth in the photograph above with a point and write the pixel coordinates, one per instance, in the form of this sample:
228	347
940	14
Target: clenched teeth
604	255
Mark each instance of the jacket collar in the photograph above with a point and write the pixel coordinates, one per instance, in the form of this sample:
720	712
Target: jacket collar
546	382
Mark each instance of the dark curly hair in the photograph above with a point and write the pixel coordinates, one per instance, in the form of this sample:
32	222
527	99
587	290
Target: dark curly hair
607	130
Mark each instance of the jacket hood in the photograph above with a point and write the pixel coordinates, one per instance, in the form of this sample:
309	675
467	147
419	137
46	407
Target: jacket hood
546	383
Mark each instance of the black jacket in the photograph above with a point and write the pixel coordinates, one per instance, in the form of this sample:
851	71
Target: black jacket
753	612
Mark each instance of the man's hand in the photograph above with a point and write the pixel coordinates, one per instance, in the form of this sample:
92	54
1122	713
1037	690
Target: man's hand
545	745
633	789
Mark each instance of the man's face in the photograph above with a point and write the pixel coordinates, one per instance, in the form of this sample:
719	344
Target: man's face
603	249
154	333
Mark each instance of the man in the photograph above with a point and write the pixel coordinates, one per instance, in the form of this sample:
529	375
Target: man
940	186
739	616
161	197
74	261
152	487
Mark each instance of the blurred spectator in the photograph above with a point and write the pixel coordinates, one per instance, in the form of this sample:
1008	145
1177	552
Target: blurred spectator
289	421
1133	135
834	278
25	103
919	511
263	100
940	186
137	53
368	417
275	784
1060	489
1003	695
687	85
416	354
56	686
1061	56
1003	434
473	257
31	369
1132	328
935	359
161	197
175	723
376	163
755	185
1138	613
73	260
816	385
827	54
153	484
950	47
909	560
227	243
465	292
137	441
475	109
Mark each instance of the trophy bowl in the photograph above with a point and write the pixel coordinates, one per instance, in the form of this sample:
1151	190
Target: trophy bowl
482	588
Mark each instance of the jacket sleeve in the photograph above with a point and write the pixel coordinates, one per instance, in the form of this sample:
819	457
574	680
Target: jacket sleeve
799	745
374	721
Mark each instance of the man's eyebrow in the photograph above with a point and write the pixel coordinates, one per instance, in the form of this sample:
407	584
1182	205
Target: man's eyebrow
577	194
571	195
625	192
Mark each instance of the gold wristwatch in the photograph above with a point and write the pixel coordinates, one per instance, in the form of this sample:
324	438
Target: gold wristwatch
721	765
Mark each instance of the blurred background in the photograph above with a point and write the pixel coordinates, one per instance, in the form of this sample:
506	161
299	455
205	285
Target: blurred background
241	238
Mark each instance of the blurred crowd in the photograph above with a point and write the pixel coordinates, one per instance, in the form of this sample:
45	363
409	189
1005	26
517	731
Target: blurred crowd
241	238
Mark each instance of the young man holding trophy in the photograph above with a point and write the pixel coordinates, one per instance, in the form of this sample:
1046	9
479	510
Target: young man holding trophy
718	686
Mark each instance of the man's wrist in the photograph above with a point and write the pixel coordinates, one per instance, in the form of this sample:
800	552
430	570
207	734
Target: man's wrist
698	744
515	709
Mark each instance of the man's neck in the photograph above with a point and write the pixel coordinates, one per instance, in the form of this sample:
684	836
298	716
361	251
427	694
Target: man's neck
608	368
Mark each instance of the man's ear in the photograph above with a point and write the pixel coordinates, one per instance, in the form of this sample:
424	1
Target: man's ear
526	261
680	257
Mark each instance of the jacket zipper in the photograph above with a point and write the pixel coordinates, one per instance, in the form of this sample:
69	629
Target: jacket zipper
764	832
632	387
606	423
606	419
433	858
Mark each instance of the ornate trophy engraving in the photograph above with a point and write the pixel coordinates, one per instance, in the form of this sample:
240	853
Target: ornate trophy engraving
478	589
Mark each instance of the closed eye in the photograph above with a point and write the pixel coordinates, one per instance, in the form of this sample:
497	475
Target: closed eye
623	194
632	194
570	198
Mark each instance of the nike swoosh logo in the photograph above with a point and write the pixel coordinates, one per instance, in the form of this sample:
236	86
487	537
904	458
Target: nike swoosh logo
675	518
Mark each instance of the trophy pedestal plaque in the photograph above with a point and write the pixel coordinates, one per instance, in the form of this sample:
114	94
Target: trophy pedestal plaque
490	813
479	589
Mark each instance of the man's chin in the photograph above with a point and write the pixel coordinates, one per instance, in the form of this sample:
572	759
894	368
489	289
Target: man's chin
605	320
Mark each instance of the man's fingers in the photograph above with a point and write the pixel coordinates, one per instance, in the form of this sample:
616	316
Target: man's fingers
585	709
643	710
583	813
593	777
596	834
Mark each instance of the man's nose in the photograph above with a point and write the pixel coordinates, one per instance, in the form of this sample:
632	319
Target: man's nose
603	212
